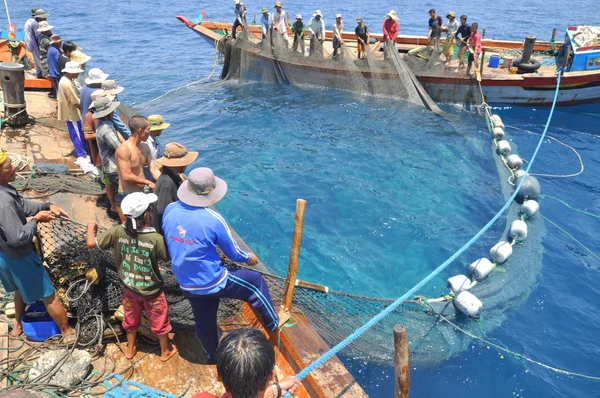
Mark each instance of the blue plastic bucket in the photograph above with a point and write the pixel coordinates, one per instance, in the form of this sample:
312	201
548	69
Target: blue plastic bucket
494	61
37	324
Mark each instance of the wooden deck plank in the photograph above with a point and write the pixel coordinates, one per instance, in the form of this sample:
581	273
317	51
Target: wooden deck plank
4	345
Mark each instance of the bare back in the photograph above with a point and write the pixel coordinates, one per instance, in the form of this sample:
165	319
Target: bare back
134	158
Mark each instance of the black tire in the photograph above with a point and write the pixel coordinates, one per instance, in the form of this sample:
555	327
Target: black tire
527	67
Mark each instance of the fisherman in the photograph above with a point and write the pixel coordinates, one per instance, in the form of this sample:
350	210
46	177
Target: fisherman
450	29
474	44
90	126
157	125
464	30
316	32
174	162
132	156
82	59
21	270
45	31
280	21
436	24
112	88
69	107
265	23
31	37
108	141
363	36
246	367
338	35
92	83
137	249
53	56
240	17
67	48
193	232
298	29
391	27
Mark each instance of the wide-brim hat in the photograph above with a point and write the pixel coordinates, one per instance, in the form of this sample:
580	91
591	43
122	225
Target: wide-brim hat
104	106
80	57
40	13
451	14
177	155
33	11
157	123
54	39
392	14
72	67
202	188
99	94
95	76
318	12
44	27
263	10
298	16
111	87
277	4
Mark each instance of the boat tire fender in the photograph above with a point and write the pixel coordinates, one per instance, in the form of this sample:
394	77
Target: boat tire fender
527	67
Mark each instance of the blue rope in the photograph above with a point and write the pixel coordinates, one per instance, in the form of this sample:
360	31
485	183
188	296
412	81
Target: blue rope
123	389
439	269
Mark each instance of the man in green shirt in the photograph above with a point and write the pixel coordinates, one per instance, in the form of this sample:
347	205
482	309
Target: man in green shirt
138	248
298	30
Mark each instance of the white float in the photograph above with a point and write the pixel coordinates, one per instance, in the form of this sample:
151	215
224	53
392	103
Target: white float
497	121
530	208
480	269
459	283
503	147
498	133
514	161
518	230
468	304
501	252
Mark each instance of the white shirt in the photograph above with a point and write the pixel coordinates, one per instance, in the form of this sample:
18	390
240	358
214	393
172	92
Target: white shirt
30	29
280	20
338	30
316	28
452	28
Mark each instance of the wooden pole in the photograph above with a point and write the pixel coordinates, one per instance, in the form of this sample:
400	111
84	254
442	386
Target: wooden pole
290	282
483	34
553	34
401	362
481	62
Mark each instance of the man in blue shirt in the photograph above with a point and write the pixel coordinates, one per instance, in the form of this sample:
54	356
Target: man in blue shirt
193	231
53	57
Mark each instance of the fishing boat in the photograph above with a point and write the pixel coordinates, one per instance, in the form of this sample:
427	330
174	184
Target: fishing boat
510	84
15	51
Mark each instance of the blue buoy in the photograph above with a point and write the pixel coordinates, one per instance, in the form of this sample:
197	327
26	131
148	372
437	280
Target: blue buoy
494	61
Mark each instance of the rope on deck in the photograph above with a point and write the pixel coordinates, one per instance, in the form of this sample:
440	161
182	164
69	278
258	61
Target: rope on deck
348	340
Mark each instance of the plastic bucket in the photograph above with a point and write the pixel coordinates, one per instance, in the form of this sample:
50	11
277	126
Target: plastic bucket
507	62
494	61
37	324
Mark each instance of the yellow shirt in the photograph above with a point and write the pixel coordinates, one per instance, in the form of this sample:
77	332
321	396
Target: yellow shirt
68	101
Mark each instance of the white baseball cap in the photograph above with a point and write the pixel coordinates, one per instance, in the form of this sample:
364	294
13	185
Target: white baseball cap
135	204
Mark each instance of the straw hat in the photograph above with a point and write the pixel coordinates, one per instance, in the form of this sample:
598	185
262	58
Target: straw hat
392	15
39	13
72	67
177	155
111	87
264	10
338	16
157	123
95	76
318	12
99	94
44	26
80	57
451	14
202	188
278	4
55	39
104	106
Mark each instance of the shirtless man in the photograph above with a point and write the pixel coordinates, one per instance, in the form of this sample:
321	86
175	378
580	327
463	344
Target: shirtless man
132	156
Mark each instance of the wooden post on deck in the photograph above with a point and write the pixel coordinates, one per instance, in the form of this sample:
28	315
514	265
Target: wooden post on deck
553	34
483	34
290	283
481	62
401	362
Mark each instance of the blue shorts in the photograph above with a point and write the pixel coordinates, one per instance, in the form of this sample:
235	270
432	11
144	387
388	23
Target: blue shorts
27	275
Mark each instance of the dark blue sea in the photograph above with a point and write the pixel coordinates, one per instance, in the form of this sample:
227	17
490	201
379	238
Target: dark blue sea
392	191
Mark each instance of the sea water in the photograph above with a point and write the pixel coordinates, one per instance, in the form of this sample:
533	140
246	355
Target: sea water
391	191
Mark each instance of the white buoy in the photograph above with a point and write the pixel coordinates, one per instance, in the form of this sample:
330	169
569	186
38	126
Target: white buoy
503	147
468	304
497	121
480	269
498	133
530	208
514	161
518	230
501	252
458	283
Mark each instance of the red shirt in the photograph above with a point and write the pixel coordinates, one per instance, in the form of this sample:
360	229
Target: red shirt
390	29
475	41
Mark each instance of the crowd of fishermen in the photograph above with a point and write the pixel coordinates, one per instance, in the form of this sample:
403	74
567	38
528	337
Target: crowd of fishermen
278	22
162	216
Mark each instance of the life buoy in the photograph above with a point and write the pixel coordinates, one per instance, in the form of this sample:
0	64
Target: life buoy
527	67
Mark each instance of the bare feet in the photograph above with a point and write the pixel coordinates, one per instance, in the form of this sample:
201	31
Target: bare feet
284	315
130	351
166	355
17	330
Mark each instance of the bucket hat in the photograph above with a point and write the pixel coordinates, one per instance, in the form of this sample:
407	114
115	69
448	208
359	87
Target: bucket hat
135	204
298	16
111	87
451	14
99	94
72	67
359	19
392	15
177	155
318	12
33	11
54	39
278	4
264	10
80	57
157	123
202	188
44	26
39	13
104	106
95	76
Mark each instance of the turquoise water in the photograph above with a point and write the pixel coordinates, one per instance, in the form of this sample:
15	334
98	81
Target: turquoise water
392	191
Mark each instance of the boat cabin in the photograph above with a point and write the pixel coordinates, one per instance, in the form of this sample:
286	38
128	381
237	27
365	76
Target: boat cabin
583	43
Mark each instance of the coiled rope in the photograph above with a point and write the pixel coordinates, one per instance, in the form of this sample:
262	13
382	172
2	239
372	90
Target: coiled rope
328	355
